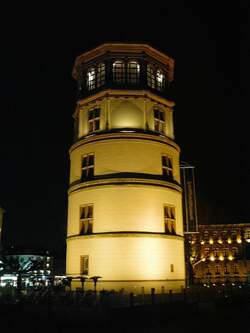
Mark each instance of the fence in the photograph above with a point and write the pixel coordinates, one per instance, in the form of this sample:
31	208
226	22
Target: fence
114	299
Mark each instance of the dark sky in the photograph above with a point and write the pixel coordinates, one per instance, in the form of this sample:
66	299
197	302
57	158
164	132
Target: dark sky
38	47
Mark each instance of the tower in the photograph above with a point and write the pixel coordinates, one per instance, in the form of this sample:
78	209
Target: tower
125	201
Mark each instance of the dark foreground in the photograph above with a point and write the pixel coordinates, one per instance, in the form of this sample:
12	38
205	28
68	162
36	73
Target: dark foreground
229	314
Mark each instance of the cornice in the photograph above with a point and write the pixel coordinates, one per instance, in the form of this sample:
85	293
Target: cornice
120	135
123	181
125	234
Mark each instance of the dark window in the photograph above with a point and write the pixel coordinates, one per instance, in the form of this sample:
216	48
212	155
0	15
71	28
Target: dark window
86	220
159	120
88	167
150	76
133	72
169	220
100	80
167	166
119	72
84	265
94	120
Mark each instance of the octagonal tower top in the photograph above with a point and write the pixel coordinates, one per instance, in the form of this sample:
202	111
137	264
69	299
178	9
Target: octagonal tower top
123	66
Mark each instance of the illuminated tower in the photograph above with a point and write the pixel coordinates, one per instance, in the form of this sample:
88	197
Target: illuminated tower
125	201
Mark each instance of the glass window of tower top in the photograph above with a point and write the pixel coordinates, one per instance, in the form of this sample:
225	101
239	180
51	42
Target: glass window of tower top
133	66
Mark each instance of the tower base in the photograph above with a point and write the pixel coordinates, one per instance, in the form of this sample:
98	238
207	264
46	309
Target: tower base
136	287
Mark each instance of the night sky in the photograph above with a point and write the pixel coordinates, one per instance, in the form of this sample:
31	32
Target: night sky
38	96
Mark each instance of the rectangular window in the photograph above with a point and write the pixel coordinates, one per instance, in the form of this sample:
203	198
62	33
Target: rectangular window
150	77
100	75
119	72
169	220
94	120
159	120
86	220
133	72
91	78
167	166
84	265
88	166
172	268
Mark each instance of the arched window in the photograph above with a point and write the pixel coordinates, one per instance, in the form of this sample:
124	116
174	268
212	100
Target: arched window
150	76
133	72
100	80
160	80
91	78
119	71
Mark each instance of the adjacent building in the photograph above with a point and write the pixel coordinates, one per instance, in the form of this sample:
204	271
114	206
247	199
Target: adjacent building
35	268
219	253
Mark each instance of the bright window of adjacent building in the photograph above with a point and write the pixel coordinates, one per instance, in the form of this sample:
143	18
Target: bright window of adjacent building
133	72
167	166
91	78
150	76
169	220
119	71
100	77
84	265
159	120
88	166
86	220
94	120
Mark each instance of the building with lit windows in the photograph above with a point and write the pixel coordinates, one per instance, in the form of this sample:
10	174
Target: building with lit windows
34	267
125	221
220	253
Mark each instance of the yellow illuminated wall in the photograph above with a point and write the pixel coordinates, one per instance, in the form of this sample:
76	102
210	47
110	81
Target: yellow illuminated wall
128	247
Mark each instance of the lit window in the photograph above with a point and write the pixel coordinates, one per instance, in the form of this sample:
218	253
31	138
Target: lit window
247	235
167	166
133	72
86	220
169	220
160	80
94	120
100	79
150	76
88	166
119	72
159	120
91	78
84	265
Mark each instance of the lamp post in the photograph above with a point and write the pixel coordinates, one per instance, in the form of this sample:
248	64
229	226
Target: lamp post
95	279
83	279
